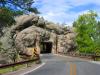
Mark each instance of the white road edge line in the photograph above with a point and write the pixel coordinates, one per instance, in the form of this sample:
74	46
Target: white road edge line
95	62
34	69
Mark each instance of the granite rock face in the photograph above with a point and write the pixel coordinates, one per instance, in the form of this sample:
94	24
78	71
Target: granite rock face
66	42
31	37
31	30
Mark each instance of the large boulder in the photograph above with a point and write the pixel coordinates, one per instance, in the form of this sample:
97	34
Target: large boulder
25	21
54	28
67	42
29	36
41	22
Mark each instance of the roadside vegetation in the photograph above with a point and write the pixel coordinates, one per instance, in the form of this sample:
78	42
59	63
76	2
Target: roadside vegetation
87	28
16	67
10	69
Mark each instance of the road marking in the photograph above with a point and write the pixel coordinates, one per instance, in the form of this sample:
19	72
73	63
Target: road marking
75	69
33	69
72	69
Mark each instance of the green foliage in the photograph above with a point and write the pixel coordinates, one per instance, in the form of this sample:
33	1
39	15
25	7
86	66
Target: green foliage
97	35
10	69
97	39
11	8
86	32
25	5
6	16
8	48
33	10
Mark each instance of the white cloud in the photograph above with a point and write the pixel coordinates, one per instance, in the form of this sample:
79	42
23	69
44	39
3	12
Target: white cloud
58	10
83	2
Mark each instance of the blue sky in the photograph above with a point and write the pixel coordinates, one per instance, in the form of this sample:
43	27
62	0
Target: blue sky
65	11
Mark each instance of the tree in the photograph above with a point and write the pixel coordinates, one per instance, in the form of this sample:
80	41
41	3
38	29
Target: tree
98	33
97	39
85	26
25	5
8	47
11	8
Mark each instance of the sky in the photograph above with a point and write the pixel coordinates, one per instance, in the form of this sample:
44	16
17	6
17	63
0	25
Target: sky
65	11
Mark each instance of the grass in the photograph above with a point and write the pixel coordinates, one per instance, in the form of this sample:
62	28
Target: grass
97	59
15	68
10	69
5	70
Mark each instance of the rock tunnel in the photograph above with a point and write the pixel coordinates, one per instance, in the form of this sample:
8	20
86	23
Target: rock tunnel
46	47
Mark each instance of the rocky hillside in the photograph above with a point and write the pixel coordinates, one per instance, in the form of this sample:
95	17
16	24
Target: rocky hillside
32	31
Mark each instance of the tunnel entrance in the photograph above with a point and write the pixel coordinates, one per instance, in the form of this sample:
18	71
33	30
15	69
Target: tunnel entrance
46	47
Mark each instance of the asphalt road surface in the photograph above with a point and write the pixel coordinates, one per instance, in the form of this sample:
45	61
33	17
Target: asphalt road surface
57	65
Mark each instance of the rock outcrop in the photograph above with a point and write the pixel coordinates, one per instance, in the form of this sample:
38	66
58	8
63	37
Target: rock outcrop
66	42
31	31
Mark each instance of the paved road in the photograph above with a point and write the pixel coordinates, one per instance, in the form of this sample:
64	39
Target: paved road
57	65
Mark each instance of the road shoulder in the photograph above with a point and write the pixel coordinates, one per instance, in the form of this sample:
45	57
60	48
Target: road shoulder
91	61
26	70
